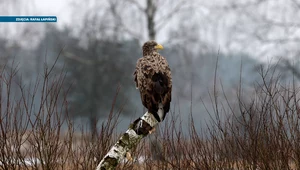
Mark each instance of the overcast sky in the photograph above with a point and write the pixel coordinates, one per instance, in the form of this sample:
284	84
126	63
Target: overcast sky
13	31
263	29
57	8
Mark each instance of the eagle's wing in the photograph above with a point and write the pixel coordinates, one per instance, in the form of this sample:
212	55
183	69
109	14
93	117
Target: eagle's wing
167	95
136	72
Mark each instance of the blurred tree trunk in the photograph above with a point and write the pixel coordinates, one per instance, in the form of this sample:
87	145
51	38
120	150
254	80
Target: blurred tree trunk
150	14
93	100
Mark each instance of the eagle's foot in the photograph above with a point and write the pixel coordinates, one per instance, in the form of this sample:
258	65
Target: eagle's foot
152	130
128	156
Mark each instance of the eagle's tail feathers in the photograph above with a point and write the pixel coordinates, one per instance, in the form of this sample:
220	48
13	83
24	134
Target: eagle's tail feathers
161	112
157	111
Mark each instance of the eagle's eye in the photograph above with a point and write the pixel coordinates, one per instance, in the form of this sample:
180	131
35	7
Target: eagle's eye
151	46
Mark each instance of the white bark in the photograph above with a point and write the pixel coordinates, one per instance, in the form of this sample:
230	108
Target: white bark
130	139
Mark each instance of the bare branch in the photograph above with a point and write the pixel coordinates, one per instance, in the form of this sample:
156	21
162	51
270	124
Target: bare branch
292	68
120	22
296	3
139	6
162	21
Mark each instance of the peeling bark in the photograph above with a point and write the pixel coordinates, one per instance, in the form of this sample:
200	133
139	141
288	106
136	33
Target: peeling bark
139	129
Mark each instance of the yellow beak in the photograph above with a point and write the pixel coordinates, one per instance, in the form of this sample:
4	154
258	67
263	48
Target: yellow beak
159	47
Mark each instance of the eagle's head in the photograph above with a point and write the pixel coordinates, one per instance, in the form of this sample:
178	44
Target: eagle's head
150	47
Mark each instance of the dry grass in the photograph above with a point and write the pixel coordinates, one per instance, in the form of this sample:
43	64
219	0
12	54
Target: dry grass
260	133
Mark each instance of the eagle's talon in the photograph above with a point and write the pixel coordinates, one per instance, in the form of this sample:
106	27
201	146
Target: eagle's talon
152	130
128	156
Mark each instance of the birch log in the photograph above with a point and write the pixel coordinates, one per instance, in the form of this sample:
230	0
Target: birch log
130	139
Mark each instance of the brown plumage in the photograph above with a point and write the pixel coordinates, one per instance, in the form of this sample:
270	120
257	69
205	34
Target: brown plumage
153	78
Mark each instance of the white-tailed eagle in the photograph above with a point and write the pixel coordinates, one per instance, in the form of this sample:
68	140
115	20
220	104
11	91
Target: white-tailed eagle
153	78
